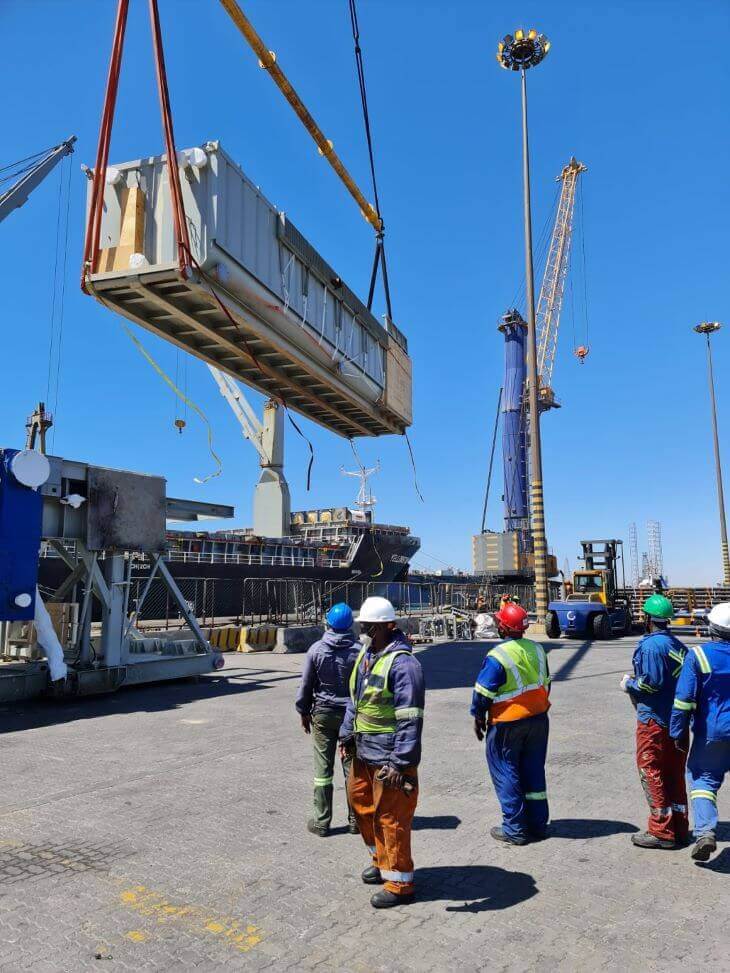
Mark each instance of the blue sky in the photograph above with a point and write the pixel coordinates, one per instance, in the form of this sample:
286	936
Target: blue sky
620	90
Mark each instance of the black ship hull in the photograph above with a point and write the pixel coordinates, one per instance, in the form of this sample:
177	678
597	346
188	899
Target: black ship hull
229	585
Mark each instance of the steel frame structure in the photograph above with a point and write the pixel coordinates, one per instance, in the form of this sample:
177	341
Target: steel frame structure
550	302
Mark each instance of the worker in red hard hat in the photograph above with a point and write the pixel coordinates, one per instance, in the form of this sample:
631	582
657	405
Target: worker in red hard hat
509	706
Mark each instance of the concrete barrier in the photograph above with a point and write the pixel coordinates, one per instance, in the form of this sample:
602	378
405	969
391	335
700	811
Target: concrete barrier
284	639
256	638
224	637
297	638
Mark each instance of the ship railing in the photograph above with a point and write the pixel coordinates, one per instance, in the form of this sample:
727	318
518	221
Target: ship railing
269	560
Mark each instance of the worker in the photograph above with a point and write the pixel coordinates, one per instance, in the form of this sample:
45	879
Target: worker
321	703
656	663
382	730
703	693
511	697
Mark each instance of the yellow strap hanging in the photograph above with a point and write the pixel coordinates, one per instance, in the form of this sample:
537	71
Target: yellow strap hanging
183	398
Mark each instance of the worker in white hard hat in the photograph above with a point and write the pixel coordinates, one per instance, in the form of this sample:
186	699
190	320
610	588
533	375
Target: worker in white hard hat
382	729
703	696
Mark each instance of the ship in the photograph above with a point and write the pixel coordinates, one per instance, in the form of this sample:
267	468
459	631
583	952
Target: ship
218	570
332	543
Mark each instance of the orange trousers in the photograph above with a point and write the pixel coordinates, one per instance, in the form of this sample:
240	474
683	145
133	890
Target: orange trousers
384	815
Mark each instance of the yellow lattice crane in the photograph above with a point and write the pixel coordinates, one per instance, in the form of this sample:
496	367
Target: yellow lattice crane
550	302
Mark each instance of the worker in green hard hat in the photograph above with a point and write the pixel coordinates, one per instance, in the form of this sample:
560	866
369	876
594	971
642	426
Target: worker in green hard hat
657	662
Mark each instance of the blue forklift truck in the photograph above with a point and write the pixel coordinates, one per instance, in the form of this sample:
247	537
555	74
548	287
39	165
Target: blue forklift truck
592	609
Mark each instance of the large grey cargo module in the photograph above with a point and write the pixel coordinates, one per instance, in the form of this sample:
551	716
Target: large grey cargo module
300	334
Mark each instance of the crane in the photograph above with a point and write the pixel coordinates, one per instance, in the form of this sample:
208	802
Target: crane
511	550
550	302
32	175
271	502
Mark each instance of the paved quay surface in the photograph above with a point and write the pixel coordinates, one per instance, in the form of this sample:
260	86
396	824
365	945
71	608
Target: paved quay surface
163	829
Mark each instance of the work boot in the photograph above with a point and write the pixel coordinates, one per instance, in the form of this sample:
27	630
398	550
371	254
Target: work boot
646	840
704	847
499	835
352	827
317	829
386	900
372	876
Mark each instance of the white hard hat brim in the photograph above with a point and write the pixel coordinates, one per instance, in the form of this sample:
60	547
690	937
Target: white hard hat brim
719	616
376	610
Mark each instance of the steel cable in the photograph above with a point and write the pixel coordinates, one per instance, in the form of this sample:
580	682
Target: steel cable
380	240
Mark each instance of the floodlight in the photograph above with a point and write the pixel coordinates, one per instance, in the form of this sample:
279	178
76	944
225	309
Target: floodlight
524	49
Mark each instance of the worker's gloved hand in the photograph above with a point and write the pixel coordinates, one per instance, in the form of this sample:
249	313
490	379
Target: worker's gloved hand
390	777
682	743
625	682
306	722
347	748
480	727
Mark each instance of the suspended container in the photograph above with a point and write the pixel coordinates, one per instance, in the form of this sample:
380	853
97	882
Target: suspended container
294	330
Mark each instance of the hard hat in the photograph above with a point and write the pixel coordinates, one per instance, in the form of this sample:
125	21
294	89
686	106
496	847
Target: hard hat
513	618
376	610
339	617
719	618
660	607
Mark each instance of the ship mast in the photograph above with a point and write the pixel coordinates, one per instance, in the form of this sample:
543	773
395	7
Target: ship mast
365	501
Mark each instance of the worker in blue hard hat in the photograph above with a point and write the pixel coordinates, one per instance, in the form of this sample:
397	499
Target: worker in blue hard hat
321	703
703	697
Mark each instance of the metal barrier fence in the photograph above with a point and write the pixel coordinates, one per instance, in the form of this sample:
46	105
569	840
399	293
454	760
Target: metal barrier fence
297	601
282	601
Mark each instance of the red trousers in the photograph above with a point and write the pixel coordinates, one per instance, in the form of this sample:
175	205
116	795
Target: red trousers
661	770
384	815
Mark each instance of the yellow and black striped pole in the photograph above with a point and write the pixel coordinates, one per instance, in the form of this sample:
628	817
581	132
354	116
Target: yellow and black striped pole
537	504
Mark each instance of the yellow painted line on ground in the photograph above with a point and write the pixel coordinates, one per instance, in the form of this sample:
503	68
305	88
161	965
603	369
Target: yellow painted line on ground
240	935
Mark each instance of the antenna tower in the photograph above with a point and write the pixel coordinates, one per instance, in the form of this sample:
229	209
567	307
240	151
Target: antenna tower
656	558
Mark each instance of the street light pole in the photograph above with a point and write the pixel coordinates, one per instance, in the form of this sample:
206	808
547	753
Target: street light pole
707	328
518	53
537	504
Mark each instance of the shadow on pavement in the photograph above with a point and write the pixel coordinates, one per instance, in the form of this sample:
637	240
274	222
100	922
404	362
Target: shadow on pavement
481	888
720	864
437	822
588	828
452	665
340	829
150	698
561	674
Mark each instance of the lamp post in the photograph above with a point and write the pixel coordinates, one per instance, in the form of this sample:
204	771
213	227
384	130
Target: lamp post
707	328
519	52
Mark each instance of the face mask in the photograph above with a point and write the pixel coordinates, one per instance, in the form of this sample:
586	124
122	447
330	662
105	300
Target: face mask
366	641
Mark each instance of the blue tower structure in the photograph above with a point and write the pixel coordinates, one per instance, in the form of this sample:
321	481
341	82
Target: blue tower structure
514	425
